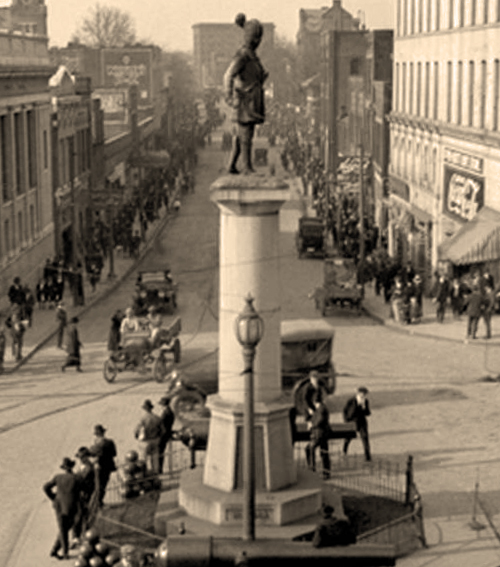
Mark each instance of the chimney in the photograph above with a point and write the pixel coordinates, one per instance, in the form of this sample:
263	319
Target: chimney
337	3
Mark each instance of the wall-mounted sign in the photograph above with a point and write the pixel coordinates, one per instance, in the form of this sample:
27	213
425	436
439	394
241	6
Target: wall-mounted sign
463	193
465	161
126	67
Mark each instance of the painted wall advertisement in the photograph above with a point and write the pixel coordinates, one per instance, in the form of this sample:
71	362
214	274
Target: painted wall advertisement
124	68
463	193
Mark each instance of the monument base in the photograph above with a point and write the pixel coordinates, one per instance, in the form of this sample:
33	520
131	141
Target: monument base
202	510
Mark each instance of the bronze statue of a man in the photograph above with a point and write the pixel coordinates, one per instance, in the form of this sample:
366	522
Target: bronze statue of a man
244	92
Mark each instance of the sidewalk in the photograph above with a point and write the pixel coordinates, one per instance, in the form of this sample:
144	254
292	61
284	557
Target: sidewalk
450	330
44	326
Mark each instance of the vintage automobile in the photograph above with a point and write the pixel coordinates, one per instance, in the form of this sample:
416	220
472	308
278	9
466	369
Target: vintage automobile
306	344
340	286
155	289
310	237
159	356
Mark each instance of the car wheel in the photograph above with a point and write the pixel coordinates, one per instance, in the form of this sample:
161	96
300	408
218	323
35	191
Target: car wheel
162	367
110	370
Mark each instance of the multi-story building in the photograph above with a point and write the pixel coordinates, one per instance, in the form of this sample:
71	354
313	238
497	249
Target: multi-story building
215	45
26	222
445	138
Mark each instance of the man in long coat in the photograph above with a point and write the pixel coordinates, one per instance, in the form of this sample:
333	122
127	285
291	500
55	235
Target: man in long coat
357	409
104	450
73	346
65	500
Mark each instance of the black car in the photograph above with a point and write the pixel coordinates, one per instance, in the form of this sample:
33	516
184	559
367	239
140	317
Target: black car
155	289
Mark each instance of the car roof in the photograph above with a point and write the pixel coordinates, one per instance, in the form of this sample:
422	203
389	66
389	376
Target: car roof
296	330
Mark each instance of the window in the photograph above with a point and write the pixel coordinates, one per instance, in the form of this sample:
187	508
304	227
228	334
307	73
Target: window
405	16
32	222
396	91
427	89
421	16
436	90
32	156
450	13
45	150
496	92
412	16
449	94
419	88
461	14
459	92
5	156
403	94
471	93
486	10
398	17
473	9
6	236
410	91
484	86
438	14
19	152
355	66
20	229
428	8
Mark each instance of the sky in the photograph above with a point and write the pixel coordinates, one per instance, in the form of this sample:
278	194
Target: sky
167	23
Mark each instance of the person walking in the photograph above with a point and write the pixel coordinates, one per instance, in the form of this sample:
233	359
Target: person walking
17	329
114	336
167	419
441	293
458	291
65	501
356	410
73	347
87	481
320	427
474	311
104	451
29	305
148	432
62	321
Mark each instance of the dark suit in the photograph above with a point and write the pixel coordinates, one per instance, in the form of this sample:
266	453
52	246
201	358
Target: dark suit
167	417
357	413
105	451
333	531
65	501
474	311
320	427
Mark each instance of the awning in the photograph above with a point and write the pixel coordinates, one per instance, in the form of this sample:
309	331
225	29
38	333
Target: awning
477	241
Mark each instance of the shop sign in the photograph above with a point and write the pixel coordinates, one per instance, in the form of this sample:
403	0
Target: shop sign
463	193
465	161
126	67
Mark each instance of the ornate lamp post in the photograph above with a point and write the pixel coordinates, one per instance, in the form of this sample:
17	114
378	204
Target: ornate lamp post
249	328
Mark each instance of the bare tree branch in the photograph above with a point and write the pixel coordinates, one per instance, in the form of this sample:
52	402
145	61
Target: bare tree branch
106	26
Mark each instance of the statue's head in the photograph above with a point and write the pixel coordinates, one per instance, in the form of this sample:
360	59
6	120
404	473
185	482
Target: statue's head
253	31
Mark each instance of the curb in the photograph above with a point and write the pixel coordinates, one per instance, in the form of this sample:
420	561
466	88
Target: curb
96	299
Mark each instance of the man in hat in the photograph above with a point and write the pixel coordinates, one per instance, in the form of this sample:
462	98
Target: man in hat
167	418
244	91
65	501
87	479
320	428
104	451
357	409
148	432
332	531
312	392
74	345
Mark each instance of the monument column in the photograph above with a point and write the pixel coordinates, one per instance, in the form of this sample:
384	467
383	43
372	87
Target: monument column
249	264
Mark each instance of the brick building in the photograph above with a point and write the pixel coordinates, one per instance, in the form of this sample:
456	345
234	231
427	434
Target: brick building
445	134
214	46
26	223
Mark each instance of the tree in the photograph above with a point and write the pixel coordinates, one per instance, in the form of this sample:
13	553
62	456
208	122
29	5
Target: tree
105	26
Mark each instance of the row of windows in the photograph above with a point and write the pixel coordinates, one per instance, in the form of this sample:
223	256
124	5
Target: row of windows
472	91
21	233
413	161
74	155
422	16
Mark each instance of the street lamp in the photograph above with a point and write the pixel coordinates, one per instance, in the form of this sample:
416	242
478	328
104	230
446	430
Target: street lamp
249	328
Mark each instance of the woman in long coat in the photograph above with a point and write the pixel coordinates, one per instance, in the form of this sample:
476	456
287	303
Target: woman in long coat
73	346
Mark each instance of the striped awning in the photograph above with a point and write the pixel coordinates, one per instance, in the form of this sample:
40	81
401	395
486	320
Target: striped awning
477	241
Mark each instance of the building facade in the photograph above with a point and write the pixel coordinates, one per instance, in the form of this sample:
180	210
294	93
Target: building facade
27	229
445	139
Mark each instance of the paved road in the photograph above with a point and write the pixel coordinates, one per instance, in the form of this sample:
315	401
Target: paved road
427	396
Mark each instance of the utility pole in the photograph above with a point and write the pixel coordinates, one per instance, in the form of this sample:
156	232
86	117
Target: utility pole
71	168
136	148
361	207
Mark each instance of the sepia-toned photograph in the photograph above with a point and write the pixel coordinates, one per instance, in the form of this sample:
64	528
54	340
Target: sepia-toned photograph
250	283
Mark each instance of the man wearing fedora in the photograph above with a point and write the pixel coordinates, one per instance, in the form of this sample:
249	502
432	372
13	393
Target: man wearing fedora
148	432
73	347
104	451
65	501
86	476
